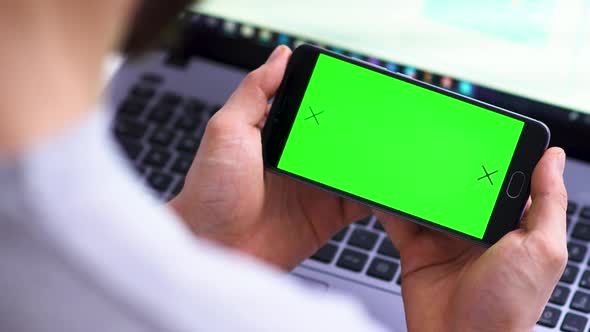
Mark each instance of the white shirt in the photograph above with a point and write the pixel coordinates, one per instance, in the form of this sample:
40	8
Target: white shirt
83	247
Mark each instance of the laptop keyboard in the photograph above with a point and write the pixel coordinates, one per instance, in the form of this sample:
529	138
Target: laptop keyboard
364	247
571	297
160	132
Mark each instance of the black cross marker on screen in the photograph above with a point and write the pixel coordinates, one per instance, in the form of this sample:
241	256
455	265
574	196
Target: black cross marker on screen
314	115
487	175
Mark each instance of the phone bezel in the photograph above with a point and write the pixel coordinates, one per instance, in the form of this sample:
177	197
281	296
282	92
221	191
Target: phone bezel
507	211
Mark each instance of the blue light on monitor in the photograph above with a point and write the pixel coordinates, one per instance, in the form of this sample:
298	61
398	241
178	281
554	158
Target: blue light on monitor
337	50
392	67
410	71
284	39
356	56
466	88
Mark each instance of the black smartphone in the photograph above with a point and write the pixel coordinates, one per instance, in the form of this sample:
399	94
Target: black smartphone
405	147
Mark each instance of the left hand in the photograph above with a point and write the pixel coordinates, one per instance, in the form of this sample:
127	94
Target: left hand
228	197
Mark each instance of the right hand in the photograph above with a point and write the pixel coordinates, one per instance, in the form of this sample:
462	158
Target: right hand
229	198
450	284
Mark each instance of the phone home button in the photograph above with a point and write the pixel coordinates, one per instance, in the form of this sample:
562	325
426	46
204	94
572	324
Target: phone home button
516	184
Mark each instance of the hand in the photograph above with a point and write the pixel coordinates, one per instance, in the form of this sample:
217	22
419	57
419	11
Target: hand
230	199
450	284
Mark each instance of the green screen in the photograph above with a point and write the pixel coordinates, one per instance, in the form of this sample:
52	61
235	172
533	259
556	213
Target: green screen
401	145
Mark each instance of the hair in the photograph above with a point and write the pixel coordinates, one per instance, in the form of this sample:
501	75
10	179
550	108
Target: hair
149	21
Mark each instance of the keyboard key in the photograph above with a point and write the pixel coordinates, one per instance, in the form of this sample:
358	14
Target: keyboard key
152	78
363	239
130	128
559	295
188	123
132	108
364	221
576	252
340	235
574	323
581	231
216	108
141	170
326	253
194	106
142	92
132	148
162	137
585	280
182	165
160	182
549	317
352	260
177	188
572	207
382	269
581	302
585	212
378	226
160	115
388	249
157	158
170	99
570	274
189	145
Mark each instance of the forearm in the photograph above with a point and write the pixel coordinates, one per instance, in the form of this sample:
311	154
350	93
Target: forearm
428	314
77	229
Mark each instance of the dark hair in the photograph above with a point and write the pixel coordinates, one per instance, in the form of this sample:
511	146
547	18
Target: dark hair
151	18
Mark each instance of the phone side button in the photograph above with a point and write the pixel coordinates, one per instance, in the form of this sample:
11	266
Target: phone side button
516	184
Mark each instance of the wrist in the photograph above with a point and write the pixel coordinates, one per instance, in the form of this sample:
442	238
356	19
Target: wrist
464	324
252	243
479	327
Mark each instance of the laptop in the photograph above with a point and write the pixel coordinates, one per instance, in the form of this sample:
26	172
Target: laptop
526	56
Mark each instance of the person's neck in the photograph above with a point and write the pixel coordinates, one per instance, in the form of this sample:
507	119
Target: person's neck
52	51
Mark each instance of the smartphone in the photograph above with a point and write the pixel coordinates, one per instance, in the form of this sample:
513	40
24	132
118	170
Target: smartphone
402	146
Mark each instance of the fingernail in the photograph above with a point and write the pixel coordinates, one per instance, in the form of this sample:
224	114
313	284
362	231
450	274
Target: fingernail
560	160
275	54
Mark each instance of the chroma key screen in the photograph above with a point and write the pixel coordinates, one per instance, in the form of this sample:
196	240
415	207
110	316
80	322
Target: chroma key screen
400	145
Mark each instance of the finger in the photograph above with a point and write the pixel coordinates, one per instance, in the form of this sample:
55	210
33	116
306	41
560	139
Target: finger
527	208
399	230
250	100
262	122
354	211
549	197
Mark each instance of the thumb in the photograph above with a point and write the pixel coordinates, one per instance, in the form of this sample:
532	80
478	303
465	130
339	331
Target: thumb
400	231
549	197
251	98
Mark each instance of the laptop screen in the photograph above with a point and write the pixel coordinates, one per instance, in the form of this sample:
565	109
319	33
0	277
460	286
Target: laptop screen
537	49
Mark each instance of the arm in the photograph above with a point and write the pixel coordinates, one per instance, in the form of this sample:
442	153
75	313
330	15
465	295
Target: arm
449	284
84	247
